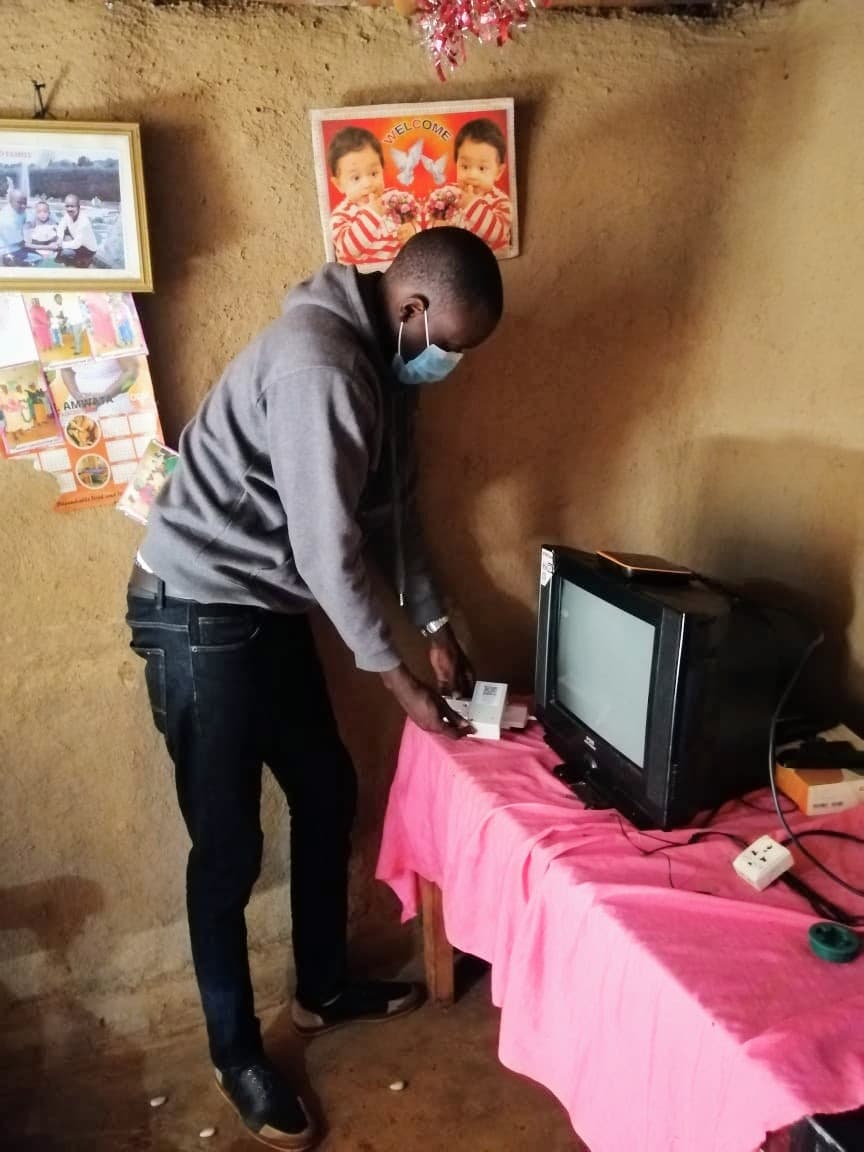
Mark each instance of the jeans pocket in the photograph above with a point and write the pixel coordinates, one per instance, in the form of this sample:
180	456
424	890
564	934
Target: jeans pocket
228	633
157	686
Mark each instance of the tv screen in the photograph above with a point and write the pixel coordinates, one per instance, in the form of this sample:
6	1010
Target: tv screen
603	669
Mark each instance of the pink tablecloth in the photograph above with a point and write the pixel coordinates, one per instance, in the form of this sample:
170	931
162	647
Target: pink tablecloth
668	1007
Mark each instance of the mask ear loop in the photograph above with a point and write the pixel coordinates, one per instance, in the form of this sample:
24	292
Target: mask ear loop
402	325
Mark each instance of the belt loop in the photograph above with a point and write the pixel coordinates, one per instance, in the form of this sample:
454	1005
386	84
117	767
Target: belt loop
160	596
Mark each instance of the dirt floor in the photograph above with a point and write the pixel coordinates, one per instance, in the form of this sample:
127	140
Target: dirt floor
94	1097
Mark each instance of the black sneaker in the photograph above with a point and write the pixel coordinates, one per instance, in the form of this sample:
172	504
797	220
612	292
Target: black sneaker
270	1109
359	1003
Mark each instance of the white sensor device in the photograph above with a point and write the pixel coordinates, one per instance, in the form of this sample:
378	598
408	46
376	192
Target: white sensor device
487	708
488	712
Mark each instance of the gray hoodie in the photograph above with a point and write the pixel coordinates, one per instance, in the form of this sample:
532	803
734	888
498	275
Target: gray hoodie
287	475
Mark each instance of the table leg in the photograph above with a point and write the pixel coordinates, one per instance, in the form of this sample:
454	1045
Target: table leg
437	952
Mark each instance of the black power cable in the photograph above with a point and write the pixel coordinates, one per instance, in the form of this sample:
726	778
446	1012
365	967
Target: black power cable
794	837
820	904
823	907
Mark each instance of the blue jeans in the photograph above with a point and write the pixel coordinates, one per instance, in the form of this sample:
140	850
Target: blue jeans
230	688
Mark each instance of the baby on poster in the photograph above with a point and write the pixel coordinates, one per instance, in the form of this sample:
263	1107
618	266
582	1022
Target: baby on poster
480	152
369	223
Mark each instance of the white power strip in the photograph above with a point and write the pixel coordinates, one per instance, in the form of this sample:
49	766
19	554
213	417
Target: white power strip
763	862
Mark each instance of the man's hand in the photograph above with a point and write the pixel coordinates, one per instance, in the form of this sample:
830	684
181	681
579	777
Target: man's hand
426	709
453	672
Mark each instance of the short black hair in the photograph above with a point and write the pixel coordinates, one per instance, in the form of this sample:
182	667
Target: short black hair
454	264
351	139
481	131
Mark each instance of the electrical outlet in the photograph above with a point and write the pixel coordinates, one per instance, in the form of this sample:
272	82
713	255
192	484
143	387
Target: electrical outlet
762	862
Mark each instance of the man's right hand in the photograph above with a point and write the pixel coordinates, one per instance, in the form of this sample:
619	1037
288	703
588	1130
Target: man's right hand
425	707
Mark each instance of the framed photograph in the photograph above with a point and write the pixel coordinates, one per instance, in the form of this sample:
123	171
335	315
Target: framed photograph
72	211
385	172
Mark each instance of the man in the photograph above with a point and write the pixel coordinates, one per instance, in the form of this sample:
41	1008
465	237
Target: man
13	217
75	235
299	463
75	318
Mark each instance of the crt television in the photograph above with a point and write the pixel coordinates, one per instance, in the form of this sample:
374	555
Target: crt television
657	694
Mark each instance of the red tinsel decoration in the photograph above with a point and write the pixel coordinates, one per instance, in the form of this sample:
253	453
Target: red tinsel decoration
447	25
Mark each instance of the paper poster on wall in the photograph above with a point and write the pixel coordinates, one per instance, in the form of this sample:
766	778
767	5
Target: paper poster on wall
108	417
16	340
386	172
153	472
27	417
70	326
87	412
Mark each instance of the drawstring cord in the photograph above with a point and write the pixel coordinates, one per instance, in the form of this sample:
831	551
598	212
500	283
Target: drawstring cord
396	486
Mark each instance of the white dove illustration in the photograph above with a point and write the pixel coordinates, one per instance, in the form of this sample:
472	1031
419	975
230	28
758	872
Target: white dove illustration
435	167
406	162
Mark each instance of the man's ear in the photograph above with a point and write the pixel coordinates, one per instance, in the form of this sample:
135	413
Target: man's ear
502	169
413	306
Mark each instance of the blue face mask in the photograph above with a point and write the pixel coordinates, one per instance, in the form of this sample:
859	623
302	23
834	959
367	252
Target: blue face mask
431	365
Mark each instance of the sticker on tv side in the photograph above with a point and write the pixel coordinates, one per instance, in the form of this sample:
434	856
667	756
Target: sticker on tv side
547	566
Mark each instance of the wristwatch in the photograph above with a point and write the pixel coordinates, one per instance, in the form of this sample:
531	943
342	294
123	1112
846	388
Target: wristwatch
434	626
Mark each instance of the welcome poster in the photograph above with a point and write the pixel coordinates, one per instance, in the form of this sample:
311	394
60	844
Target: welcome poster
386	172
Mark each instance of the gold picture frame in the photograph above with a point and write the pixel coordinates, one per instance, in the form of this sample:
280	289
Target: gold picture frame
72	211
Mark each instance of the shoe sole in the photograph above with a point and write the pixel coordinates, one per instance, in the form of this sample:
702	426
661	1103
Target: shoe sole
381	1018
299	1143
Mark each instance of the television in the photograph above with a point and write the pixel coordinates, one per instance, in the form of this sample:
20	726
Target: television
657	693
